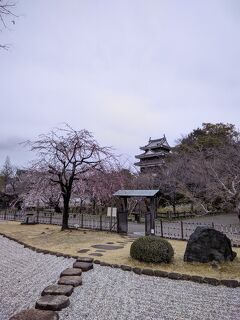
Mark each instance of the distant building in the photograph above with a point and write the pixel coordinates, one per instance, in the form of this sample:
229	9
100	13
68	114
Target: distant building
153	156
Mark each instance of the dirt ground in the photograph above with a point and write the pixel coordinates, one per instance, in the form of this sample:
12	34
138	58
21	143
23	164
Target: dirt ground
71	241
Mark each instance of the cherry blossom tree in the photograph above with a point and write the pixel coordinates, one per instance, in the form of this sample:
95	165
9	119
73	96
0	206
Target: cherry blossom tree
103	183
69	154
38	189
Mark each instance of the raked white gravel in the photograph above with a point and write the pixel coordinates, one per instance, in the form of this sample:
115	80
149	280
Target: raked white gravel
24	274
112	294
109	294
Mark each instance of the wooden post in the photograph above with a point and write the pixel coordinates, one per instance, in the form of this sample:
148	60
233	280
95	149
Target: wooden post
38	211
100	222
161	223
181	229
111	220
82	220
124	204
152	217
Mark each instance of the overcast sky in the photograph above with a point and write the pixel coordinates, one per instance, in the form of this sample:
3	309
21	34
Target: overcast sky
123	69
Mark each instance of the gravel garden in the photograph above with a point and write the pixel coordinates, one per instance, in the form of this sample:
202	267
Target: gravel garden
107	293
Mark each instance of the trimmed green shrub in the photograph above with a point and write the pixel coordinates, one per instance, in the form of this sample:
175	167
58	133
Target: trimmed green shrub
151	249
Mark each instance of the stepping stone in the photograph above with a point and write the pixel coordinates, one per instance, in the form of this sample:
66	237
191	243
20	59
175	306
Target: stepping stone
50	302
35	314
57	289
106	247
71	280
71	272
100	251
85	266
83	250
84	259
109	242
96	254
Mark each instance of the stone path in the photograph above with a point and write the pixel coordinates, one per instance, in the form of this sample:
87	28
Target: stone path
23	276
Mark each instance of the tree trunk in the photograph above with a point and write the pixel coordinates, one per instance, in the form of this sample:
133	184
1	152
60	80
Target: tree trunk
66	199
94	206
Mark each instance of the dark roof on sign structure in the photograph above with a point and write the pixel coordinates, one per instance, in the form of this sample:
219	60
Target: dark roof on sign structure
136	193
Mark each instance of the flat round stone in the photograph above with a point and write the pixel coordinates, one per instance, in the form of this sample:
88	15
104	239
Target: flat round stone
71	272
85	266
84	259
51	302
70	280
35	314
58	289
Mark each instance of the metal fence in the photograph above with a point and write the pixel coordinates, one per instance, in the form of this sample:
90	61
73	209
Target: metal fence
182	230
86	221
173	230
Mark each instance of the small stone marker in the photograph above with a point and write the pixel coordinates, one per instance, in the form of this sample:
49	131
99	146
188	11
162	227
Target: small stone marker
85	266
71	280
84	259
57	289
71	272
35	314
51	302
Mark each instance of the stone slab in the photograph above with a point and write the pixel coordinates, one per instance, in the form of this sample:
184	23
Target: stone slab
85	266
96	254
83	250
106	247
84	259
35	314
74	281
51	302
71	272
57	289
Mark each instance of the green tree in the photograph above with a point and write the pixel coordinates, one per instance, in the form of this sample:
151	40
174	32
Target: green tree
208	137
7	173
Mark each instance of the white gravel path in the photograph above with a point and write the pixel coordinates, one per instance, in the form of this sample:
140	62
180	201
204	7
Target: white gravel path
24	274
109	294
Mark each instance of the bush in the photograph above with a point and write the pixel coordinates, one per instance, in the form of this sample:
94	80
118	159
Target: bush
151	249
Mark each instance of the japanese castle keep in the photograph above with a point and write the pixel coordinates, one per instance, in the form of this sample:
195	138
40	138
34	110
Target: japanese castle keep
153	155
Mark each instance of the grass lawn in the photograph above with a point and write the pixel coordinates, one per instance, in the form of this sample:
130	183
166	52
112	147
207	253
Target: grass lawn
71	241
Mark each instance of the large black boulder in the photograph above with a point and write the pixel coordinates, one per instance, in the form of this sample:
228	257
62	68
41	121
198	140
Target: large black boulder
207	244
